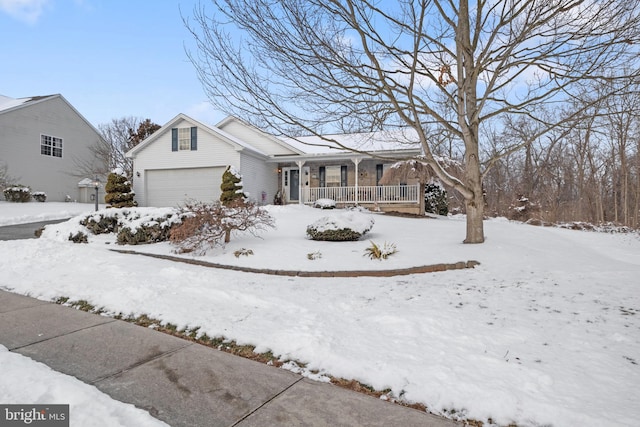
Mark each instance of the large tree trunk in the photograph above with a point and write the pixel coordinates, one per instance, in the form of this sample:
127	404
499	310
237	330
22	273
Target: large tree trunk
474	204
467	105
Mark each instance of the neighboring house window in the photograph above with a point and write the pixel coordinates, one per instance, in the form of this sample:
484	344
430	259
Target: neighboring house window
333	176
184	139
50	146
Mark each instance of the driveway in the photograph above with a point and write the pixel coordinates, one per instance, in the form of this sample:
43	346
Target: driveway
24	231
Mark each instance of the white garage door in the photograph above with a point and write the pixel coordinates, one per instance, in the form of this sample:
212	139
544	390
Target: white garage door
173	187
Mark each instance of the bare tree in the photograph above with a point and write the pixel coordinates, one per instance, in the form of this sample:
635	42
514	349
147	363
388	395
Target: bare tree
119	136
5	179
327	65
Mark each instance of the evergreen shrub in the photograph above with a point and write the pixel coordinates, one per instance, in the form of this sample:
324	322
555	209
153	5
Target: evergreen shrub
347	226
17	194
119	193
435	199
39	196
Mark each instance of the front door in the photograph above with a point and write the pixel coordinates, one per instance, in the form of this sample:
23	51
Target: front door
291	183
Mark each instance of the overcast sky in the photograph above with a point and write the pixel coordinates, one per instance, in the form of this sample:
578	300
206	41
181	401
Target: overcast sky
108	58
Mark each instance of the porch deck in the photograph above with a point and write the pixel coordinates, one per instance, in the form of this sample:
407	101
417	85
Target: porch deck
378	194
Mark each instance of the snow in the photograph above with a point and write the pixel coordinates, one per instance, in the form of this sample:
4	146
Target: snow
545	331
25	381
366	141
7	103
354	220
325	204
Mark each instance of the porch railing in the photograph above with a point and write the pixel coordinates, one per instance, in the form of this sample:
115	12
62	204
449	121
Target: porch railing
364	194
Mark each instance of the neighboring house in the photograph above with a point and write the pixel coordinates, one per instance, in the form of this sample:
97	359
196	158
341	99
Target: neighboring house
45	144
185	160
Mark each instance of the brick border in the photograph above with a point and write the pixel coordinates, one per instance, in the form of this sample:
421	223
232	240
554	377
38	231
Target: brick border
292	273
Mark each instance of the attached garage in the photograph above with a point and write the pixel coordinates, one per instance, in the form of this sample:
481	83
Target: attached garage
185	160
173	187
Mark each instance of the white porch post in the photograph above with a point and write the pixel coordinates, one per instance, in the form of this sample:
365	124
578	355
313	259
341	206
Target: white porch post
300	163
356	161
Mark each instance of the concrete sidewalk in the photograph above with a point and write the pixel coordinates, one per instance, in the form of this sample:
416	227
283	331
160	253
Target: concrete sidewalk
183	383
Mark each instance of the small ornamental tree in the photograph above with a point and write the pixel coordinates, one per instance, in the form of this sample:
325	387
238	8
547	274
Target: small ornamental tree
232	194
231	186
119	193
205	225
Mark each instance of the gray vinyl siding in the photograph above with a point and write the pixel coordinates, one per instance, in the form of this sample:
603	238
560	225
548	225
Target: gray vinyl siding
20	131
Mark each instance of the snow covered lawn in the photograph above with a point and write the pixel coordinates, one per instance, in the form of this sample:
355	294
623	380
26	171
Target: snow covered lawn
546	331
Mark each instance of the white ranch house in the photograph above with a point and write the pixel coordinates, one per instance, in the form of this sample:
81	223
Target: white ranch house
184	160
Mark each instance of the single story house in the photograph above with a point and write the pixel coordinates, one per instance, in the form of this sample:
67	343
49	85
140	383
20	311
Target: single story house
185	159
45	144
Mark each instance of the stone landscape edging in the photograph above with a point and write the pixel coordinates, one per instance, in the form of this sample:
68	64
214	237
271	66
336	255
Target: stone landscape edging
339	273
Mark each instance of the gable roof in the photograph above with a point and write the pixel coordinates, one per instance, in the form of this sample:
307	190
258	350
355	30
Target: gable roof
390	143
236	143
8	104
272	138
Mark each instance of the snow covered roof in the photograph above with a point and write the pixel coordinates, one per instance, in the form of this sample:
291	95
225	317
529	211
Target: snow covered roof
368	142
279	141
7	103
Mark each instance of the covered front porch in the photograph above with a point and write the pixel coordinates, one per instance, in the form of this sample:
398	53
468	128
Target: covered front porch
349	180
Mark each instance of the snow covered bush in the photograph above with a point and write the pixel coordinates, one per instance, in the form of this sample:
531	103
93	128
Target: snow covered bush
324	204
101	223
39	196
206	225
17	194
435	199
523	210
346	226
119	193
151	231
133	226
79	237
243	252
380	252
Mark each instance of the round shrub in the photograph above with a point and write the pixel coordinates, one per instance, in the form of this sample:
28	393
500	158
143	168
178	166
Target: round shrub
325	204
346	226
152	232
39	196
17	194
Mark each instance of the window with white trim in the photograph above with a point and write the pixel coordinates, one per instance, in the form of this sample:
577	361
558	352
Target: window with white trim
50	146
